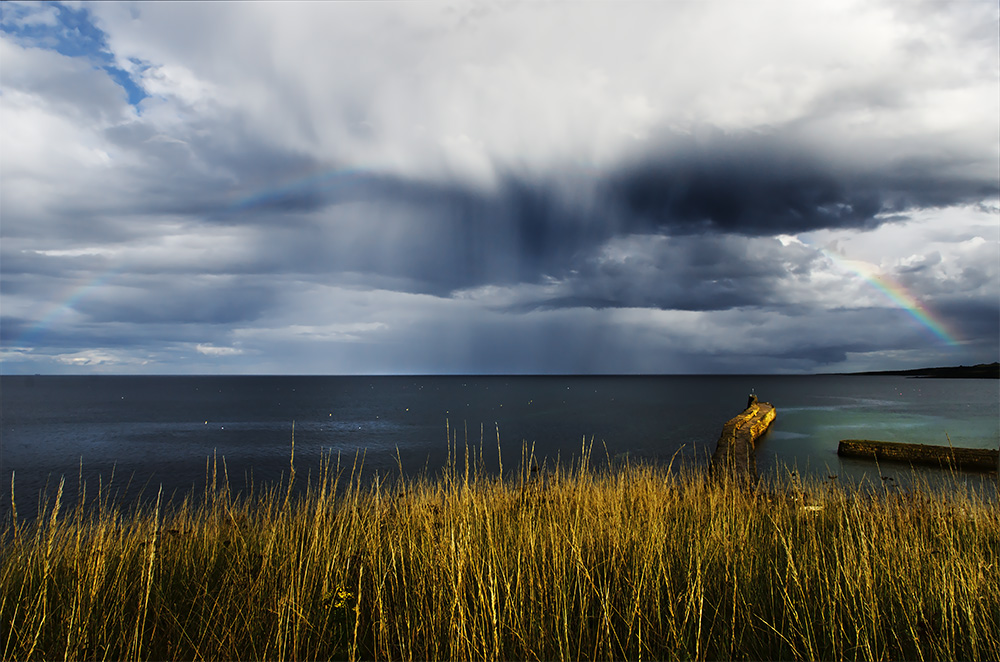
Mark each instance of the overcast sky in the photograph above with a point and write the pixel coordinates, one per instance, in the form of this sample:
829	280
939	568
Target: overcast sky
369	188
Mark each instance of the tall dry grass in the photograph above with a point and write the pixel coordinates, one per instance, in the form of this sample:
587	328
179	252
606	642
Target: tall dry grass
573	563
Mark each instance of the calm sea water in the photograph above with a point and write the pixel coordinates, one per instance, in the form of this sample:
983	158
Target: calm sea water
160	430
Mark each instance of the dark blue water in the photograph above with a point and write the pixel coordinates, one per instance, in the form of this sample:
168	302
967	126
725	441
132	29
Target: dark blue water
160	430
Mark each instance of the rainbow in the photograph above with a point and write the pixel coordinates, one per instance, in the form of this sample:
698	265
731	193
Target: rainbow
60	309
898	295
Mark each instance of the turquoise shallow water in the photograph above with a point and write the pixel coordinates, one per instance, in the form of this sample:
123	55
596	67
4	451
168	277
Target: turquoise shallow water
922	411
160	430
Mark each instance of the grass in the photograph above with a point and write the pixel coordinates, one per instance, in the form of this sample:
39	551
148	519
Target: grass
574	563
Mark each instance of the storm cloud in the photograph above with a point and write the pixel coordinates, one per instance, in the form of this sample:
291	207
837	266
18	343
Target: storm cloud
332	187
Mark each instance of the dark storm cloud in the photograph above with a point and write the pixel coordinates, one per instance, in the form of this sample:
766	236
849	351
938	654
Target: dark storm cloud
688	272
689	222
702	273
760	184
443	237
450	235
438	237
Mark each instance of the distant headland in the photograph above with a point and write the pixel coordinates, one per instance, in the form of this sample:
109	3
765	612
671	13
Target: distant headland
979	371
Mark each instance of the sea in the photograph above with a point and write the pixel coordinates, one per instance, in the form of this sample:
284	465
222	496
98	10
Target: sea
149	435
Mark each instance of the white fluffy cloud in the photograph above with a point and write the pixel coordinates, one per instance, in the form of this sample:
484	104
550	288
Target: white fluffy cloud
427	89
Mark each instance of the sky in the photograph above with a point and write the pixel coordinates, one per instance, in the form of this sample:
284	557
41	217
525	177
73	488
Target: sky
498	187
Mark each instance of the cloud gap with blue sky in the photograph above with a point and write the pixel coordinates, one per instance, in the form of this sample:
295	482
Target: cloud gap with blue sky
371	188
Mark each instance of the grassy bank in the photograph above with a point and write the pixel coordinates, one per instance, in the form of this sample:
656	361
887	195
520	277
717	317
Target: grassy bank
634	562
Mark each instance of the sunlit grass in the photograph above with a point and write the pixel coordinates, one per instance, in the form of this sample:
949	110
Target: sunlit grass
573	563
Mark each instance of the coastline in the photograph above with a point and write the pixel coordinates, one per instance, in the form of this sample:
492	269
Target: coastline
978	371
